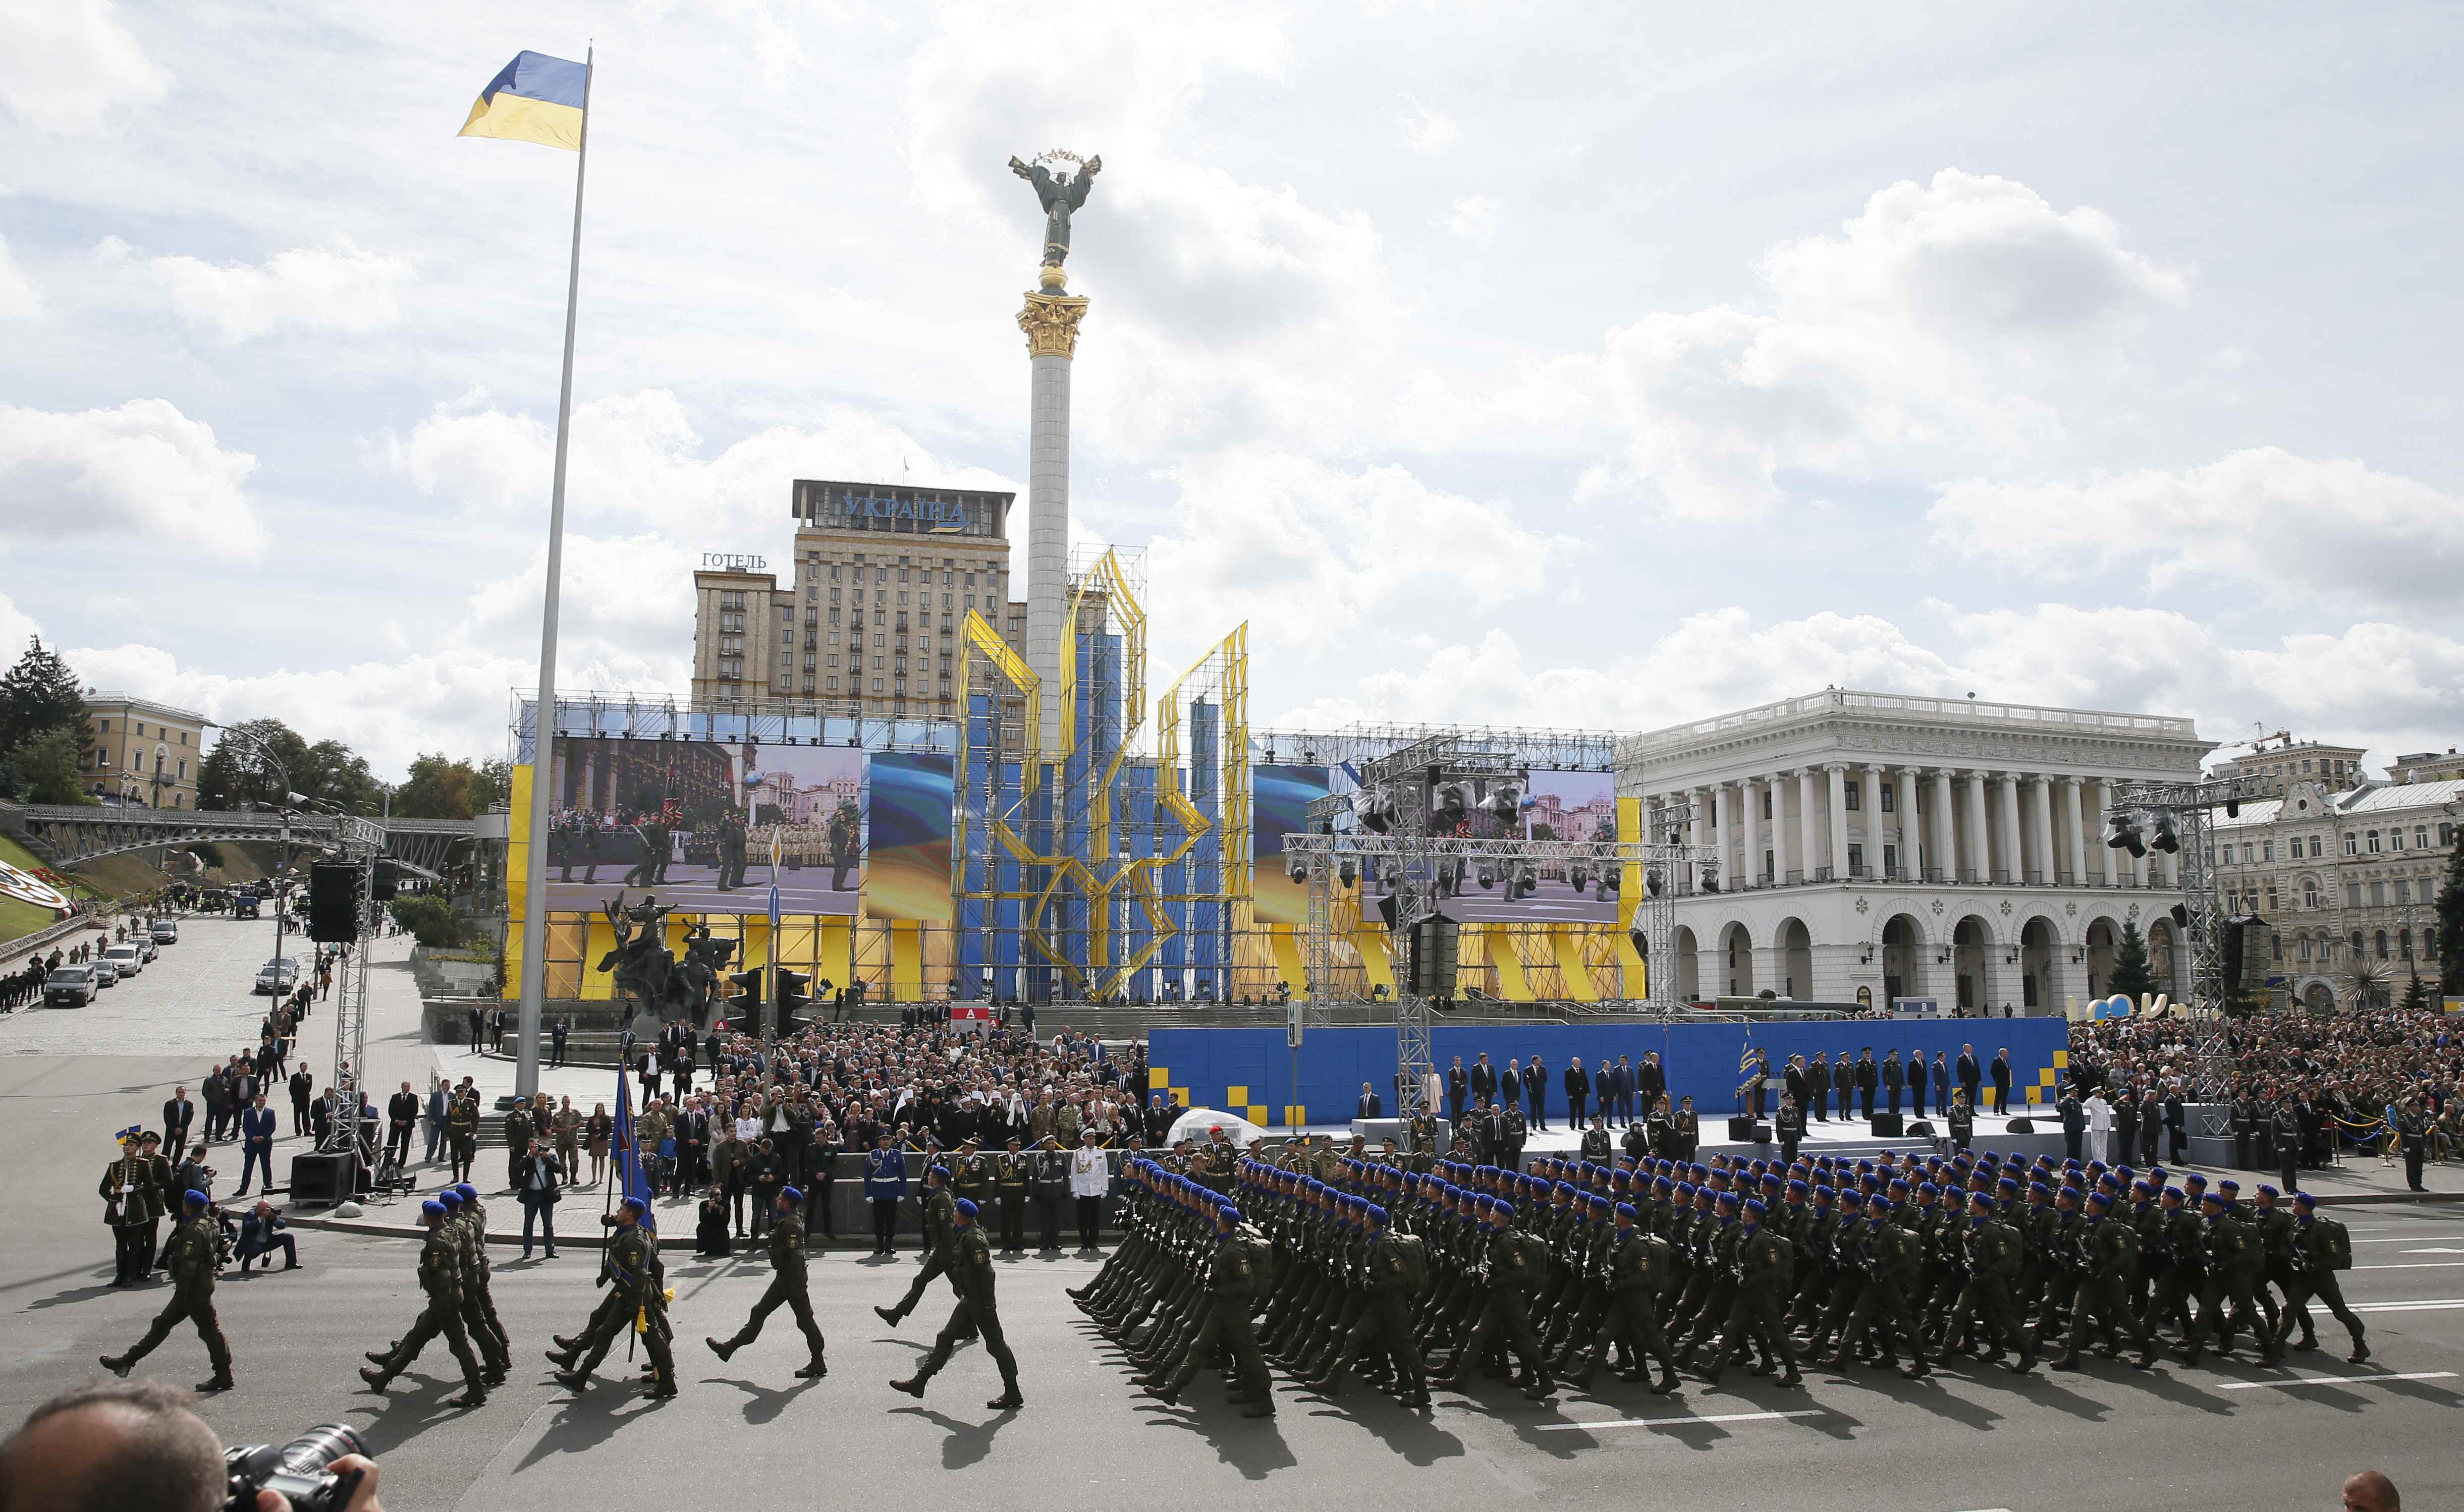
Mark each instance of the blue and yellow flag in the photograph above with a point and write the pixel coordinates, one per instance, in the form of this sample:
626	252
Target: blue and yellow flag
536	98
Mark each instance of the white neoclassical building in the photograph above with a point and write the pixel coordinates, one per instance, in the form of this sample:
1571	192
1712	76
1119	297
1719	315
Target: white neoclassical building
1889	845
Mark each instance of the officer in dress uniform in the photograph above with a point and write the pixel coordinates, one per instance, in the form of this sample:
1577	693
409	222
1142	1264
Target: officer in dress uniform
440	1278
131	1206
790	1286
190	1258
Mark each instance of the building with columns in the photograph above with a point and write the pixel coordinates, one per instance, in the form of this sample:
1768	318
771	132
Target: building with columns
1869	847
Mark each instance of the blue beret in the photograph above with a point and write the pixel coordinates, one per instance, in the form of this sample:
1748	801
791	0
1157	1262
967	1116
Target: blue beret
1599	1202
1897	1185
1927	1189
2156	1171
1823	1191
1504	1209
2268	1190
1726	1200
1662	1185
635	1204
1756	1206
2228	1185
1978	1199
1231	1215
2176	1193
2038	1187
2124	1172
2304	1199
1771	1183
2100	1199
2194	1178
966	1208
195	1198
2216	1198
936	1168
1625	1210
1884	1203
792	1194
1686	1189
450	1198
466	1190
432	1208
1702	1173
2007	1184
2141	1189
1797	1185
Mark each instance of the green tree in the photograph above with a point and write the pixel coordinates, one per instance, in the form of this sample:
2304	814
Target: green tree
2451	925
430	919
45	769
444	787
237	773
2130	976
40	694
2418	996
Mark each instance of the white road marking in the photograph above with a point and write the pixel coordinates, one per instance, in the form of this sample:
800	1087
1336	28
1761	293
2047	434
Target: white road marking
2335	1380
2428	1264
1685	1423
2411	1238
2435	1251
2433	1305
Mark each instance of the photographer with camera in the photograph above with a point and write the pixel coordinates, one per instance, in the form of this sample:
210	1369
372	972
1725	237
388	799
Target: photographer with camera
109	1444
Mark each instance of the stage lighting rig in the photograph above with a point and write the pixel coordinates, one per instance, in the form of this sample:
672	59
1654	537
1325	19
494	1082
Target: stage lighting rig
2124	834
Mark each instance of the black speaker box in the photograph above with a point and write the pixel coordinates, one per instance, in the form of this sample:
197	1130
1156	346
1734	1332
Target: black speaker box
323	1178
333	903
1762	1133
1886	1125
2023	1125
1921	1129
1740	1130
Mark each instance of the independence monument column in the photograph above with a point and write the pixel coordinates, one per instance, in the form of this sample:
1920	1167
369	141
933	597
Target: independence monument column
1050	321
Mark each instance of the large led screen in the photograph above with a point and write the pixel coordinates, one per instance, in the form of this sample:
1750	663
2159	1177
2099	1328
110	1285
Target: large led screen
909	858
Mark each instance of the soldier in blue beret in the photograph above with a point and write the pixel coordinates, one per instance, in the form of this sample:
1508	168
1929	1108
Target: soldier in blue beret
190	1256
789	1287
440	1279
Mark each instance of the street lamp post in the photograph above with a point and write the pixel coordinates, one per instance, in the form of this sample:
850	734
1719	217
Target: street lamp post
281	909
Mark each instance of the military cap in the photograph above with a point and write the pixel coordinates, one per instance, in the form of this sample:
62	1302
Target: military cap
195	1198
1755	1207
966	1208
2304	1199
431	1207
1799	1185
792	1194
636	1204
2268	1189
1625	1210
451	1197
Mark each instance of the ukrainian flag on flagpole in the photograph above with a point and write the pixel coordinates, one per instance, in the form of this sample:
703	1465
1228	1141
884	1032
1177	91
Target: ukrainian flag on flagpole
534	98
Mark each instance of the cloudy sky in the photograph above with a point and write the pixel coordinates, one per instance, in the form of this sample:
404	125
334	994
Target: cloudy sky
1582	365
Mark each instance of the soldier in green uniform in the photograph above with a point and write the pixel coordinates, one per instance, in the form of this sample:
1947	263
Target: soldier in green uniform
971	1174
976	1316
637	1285
2105	1253
1996	1255
2183	1258
519	1130
2320	1248
1765	1269
1889	1257
1637	1273
462	1133
131	1205
789	1287
1013	1173
1395	1270
940	1231
1233	1273
2233	1265
1511	1269
1422	1157
440	1277
189	1258
469	1216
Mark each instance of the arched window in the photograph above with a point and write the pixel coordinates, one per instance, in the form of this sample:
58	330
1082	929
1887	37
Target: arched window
2309	892
2381	942
2403	943
2357	945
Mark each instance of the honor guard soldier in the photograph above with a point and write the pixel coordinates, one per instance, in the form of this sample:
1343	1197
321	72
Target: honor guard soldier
971	1174
1013	1175
976	1315
637	1300
131	1205
189	1257
440	1277
789	1286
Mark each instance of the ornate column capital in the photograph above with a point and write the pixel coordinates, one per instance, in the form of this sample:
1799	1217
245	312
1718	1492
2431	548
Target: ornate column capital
1050	321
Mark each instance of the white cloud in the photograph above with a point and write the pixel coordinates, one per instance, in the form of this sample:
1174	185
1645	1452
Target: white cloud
337	287
1473	218
636	458
65	64
632	595
1933	336
143	469
1430	131
18	300
2288	526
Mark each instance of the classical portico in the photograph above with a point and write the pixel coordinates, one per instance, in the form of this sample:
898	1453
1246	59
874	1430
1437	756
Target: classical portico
1906	847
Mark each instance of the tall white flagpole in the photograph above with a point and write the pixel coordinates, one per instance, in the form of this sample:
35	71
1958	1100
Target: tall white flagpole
544	717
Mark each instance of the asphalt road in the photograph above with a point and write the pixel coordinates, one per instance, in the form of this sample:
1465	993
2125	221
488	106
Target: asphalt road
747	1431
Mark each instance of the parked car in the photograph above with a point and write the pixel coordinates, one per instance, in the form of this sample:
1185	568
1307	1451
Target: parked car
128	959
106	971
278	977
70	986
165	932
146	949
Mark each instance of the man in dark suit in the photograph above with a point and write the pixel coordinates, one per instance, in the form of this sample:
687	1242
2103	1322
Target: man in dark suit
402	1116
1579	1092
1817	1081
1868	1077
1483	1079
178	1114
1917	1083
303	1088
1625	1088
1893	1081
1797	1086
557	1033
1535	1091
1968	1073
1509	1085
2001	1069
2074	1116
1651	1080
1369	1106
1458	1091
258	1127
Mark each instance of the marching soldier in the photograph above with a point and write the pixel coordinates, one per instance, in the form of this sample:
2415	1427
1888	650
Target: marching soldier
940	1231
440	1277
1996	1255
1639	1266
1232	1275
2105	1253
2320	1248
1764	1269
2233	1265
976	1315
637	1300
190	1258
1510	1272
468	1217
789	1286
1890	1259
